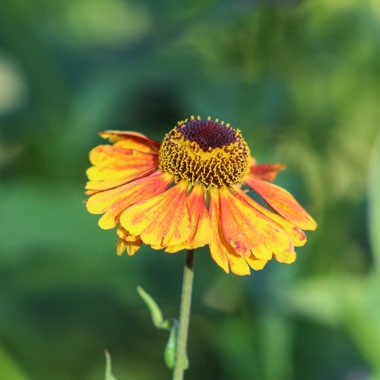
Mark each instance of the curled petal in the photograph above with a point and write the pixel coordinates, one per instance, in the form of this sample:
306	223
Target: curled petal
283	202
247	230
113	202
127	242
161	221
131	140
266	172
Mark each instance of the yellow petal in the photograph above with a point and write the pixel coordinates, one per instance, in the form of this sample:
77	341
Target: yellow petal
127	242
286	257
133	247
121	245
238	265
255	263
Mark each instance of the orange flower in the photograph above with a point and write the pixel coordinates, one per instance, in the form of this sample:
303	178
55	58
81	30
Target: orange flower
187	192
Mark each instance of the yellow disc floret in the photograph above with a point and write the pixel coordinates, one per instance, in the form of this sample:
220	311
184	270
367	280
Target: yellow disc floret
205	151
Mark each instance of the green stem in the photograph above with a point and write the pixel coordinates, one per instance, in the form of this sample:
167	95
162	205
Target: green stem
181	362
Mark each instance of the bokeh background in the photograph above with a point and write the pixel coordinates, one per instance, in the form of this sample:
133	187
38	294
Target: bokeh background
301	79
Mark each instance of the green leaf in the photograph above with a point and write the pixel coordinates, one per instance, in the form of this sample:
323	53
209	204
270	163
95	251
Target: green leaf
161	323
154	309
171	346
109	375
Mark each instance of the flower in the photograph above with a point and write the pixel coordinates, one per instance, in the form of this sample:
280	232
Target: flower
187	192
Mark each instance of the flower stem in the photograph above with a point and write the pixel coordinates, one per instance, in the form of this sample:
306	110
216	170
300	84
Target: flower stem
181	362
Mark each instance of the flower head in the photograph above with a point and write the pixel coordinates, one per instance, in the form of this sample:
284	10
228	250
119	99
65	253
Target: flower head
188	192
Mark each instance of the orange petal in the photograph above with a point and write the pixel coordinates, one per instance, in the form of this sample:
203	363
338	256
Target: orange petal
163	220
296	234
113	202
200	221
247	229
131	140
283	202
115	166
266	172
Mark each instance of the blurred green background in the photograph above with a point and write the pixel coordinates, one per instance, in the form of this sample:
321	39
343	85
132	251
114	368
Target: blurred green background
301	79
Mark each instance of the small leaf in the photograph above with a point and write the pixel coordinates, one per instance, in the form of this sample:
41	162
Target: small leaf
160	323
154	309
171	347
109	375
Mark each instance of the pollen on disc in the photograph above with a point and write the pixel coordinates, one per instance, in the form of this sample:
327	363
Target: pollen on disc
206	152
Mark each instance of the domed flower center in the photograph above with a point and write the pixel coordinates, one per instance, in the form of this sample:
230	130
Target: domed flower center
205	151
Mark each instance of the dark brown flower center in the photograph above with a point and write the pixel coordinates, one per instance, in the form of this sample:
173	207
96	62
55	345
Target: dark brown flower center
204	151
208	133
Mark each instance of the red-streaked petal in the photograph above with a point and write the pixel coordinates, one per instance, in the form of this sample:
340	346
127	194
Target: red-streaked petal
296	234
163	220
247	229
131	140
266	172
283	202
200	221
222	253
218	252
113	202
